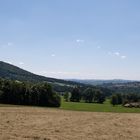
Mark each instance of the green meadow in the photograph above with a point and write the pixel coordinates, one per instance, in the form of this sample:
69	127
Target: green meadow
89	107
94	107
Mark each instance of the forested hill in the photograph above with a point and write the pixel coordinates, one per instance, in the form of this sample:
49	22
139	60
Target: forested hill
8	71
96	82
130	87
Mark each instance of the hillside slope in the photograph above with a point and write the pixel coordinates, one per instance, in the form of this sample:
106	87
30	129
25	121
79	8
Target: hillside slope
8	71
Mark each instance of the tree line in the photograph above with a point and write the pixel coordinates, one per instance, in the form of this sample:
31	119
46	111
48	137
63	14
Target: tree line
96	95
118	99
88	95
21	93
42	94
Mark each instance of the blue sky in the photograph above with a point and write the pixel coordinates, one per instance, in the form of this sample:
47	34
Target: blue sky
86	39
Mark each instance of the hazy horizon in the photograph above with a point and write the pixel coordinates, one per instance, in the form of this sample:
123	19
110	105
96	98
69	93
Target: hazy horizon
72	79
83	39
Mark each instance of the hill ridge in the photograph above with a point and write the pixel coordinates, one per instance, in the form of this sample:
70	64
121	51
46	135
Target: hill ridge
9	71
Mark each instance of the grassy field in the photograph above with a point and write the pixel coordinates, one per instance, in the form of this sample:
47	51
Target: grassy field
93	107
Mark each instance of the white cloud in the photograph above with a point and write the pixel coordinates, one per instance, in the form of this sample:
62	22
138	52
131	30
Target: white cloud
53	55
21	63
123	57
117	53
9	44
59	73
98	47
80	41
4	46
9	62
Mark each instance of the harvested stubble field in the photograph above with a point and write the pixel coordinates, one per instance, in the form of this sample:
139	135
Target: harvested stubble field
34	123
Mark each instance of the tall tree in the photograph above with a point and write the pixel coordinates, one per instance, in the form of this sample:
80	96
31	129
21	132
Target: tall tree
75	95
114	100
99	96
119	99
66	96
88	95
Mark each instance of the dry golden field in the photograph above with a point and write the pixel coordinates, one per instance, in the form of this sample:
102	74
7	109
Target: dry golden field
33	123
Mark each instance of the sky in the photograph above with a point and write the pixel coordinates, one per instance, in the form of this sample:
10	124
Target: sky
72	39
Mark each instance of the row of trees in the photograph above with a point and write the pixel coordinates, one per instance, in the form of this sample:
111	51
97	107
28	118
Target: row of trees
96	95
19	93
118	99
89	95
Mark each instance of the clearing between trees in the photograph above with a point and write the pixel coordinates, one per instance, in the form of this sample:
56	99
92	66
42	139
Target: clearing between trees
36	123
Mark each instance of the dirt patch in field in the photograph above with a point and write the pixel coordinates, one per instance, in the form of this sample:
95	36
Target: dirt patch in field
28	123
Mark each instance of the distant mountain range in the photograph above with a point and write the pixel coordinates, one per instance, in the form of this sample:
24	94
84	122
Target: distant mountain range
8	71
96	82
115	86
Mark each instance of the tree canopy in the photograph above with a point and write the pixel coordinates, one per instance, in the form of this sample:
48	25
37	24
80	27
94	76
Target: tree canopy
15	92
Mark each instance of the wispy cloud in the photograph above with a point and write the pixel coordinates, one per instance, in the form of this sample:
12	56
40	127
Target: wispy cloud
53	55
6	45
117	53
21	63
98	47
10	44
111	53
9	62
123	57
80	41
44	72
